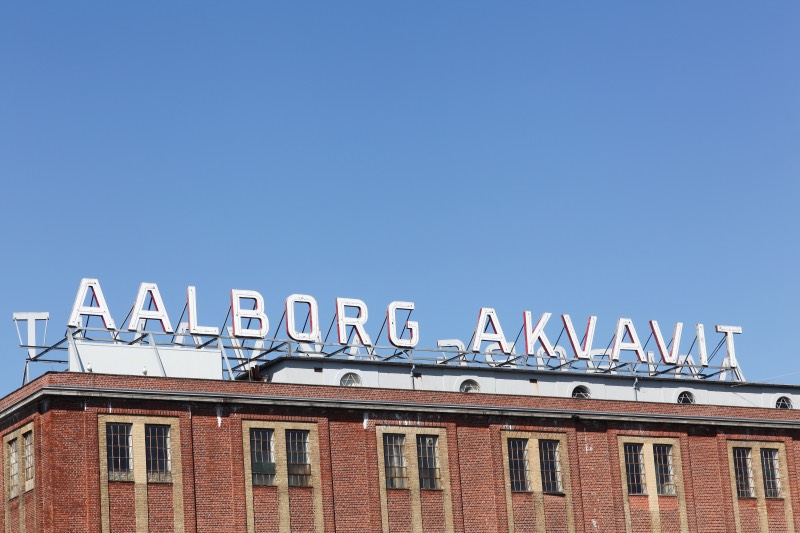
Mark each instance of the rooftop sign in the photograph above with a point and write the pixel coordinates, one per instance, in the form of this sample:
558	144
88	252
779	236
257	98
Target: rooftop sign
248	335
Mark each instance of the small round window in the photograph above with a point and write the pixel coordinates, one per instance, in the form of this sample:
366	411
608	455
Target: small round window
686	397
783	403
581	392
351	379
469	385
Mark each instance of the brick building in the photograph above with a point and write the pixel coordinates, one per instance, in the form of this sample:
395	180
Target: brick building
324	444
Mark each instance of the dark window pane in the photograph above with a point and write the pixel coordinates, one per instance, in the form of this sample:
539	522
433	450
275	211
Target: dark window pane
262	456
518	464
771	473
427	461
743	469
634	468
550	465
298	461
394	460
119	452
158	454
665	476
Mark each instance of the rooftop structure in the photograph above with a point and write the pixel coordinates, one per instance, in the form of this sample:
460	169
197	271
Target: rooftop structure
190	430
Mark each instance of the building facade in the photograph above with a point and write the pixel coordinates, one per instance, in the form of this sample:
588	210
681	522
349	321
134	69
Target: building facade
316	445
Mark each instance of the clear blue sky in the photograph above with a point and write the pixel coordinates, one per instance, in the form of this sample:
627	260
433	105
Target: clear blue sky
609	158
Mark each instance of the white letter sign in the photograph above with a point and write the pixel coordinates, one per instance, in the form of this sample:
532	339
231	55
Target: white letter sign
411	325
581	352
626	325
537	334
191	310
257	313
314	334
140	314
729	331
357	323
100	310
489	314
671	356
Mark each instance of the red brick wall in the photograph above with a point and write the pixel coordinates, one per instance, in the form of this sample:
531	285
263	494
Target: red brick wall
555	513
67	496
524	512
399	507
265	505
122	504
159	507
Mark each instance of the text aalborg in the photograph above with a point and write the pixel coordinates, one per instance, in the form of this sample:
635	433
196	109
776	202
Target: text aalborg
488	328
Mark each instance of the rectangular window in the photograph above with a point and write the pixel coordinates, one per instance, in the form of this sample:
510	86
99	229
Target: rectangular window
550	465
395	461
427	461
298	460
13	469
119	452
262	456
743	468
665	475
634	468
27	447
159	460
771	473
518	465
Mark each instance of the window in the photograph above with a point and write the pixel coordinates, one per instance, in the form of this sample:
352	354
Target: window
27	447
427	452
665	476
518	465
743	469
298	460
469	385
394	460
119	452
13	469
581	392
634	468
351	379
551	466
262	456
686	397
783	403
159	467
771	473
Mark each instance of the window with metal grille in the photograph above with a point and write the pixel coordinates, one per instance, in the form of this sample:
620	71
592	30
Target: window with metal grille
686	397
298	460
351	379
469	385
262	456
634	468
665	475
394	460
13	469
518	465
119	451
427	461
581	392
550	463
159	459
743	469
783	403
771	473
27	448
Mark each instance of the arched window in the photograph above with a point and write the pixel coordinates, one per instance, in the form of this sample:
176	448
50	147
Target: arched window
783	403
351	379
581	392
686	397
469	385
